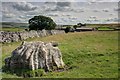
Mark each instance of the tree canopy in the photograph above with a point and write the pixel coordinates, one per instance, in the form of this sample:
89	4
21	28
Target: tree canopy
41	22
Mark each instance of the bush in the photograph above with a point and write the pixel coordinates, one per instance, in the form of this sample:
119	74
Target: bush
67	29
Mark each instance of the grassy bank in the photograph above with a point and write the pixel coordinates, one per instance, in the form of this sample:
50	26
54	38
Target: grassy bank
86	54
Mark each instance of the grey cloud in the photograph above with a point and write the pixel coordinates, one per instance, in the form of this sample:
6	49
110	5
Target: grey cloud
112	20
21	16
9	15
111	14
92	20
58	6
73	18
65	9
36	12
96	20
13	19
64	20
88	20
50	3
95	11
24	6
93	17
102	0
25	16
116	9
49	6
78	10
19	19
82	11
105	10
90	2
51	14
63	4
66	15
5	10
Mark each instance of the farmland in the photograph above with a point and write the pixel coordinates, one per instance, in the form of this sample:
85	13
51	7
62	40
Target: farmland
69	39
86	54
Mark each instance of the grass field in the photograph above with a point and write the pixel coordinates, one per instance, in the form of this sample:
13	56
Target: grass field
86	54
104	25
105	29
12	29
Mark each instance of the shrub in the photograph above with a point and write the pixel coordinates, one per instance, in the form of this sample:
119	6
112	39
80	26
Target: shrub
67	29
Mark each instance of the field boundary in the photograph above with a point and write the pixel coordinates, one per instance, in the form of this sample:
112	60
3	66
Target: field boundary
7	37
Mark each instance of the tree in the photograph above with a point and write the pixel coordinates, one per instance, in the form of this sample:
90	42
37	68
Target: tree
41	22
75	26
80	24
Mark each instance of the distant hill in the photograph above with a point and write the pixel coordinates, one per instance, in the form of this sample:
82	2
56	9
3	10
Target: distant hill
25	25
13	24
103	25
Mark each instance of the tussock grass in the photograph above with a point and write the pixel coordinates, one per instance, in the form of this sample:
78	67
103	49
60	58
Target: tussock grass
86	54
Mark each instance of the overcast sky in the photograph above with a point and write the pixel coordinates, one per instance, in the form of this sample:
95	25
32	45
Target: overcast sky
62	12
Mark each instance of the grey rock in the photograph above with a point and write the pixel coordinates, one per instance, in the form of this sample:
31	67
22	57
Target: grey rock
35	55
18	36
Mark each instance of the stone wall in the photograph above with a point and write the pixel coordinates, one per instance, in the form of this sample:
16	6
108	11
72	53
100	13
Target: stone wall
18	36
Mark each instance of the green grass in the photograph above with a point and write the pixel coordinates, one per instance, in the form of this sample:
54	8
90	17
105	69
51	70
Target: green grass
12	29
105	29
86	54
103	25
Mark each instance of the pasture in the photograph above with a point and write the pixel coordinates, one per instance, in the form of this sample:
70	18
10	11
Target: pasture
12	29
86	54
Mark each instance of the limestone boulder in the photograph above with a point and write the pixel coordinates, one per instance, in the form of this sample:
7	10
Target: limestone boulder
35	55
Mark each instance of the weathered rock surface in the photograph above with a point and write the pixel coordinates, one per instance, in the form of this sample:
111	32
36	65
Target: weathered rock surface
35	55
17	36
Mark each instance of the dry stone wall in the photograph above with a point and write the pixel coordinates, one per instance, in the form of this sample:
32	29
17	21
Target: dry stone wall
17	36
